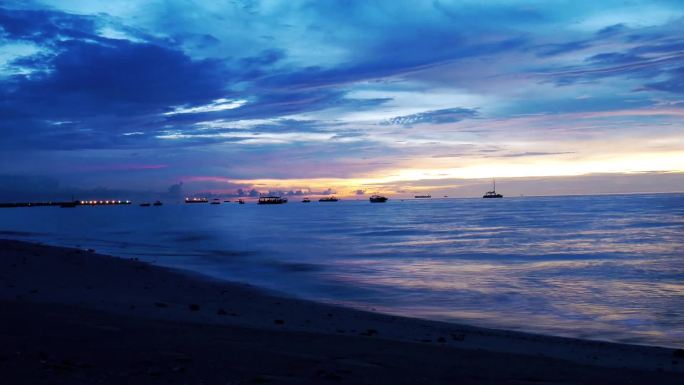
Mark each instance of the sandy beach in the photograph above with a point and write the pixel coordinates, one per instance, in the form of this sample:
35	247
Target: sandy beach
72	316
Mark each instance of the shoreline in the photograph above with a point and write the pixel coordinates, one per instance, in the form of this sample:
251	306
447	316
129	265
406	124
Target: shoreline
54	288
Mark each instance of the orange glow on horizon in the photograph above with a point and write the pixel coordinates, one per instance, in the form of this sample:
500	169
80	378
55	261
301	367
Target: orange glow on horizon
417	179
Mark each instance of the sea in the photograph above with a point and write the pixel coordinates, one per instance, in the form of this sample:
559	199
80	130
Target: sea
607	267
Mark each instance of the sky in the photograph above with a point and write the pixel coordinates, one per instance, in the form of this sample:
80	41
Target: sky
228	98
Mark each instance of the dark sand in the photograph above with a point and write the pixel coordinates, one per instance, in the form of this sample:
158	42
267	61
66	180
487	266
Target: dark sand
68	316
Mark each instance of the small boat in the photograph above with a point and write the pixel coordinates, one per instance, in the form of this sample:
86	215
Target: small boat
306	200
271	200
378	199
328	199
423	196
196	200
145	204
493	193
215	203
157	203
226	201
241	201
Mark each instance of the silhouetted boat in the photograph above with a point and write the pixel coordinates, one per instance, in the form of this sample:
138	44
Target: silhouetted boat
328	199
216	201
422	196
378	199
241	201
145	204
493	193
306	200
157	203
226	201
271	200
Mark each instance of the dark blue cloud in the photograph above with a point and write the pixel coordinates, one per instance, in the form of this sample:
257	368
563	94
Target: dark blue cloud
561	48
612	30
86	77
648	54
122	78
615	58
399	52
41	25
126	83
62	96
674	83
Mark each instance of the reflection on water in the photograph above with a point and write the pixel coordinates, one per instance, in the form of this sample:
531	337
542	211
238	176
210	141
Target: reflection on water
602	267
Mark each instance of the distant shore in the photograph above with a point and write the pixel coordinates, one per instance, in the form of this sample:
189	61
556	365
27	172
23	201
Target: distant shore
72	316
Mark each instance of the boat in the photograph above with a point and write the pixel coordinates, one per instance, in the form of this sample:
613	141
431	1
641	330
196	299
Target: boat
226	201
378	199
306	200
157	203
241	201
196	200
271	200
145	204
493	193
328	199
216	201
103	203
423	196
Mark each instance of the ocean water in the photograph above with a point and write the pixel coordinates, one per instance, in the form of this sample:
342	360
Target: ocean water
599	267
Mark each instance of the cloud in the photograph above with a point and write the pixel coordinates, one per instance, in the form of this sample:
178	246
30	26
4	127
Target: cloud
246	193
533	153
448	115
101	87
327	89
674	83
176	190
612	30
646	54
221	104
563	48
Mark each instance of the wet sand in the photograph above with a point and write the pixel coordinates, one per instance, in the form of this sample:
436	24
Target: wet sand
70	316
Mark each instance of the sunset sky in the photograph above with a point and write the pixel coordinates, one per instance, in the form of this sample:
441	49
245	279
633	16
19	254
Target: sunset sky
351	97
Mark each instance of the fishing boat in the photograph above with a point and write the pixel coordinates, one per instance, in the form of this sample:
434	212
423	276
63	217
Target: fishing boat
493	193
378	199
306	200
157	203
271	200
145	204
328	199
